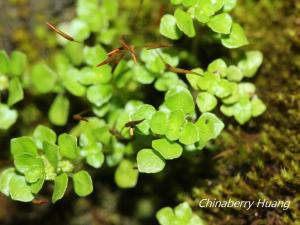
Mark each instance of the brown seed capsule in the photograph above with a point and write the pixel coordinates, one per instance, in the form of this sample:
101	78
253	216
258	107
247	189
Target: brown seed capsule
133	123
177	70
40	201
130	48
61	33
79	116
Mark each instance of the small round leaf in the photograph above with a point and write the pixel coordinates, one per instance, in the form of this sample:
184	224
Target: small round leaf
83	184
169	28
185	23
236	38
60	186
126	175
206	102
149	161
189	134
169	150
221	23
7	117
19	189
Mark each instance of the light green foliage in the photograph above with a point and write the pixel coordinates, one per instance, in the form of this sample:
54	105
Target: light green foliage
4	66
236	38
23	145
185	23
99	94
221	82
60	186
126	175
94	155
149	161
40	158
181	215
114	96
189	133
68	146
71	83
212	13
206	102
229	5
83	185
42	78
234	73
15	92
19	189
221	23
179	98
218	66
7	116
11	75
176	120
17	63
159	122
59	110
168	150
169	28
210	126
5	178
44	134
250	64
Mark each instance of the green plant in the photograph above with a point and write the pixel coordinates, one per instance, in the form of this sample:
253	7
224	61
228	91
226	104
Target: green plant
124	130
11	71
181	215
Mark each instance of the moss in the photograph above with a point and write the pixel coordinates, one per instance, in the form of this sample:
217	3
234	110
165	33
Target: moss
261	159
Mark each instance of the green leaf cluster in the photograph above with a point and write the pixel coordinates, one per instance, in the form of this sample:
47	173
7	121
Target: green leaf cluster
211	13
181	215
184	120
40	158
12	69
222	82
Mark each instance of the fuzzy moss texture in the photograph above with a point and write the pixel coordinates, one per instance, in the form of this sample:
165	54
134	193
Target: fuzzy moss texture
261	160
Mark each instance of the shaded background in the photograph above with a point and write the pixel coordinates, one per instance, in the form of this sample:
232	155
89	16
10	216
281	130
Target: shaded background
252	161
